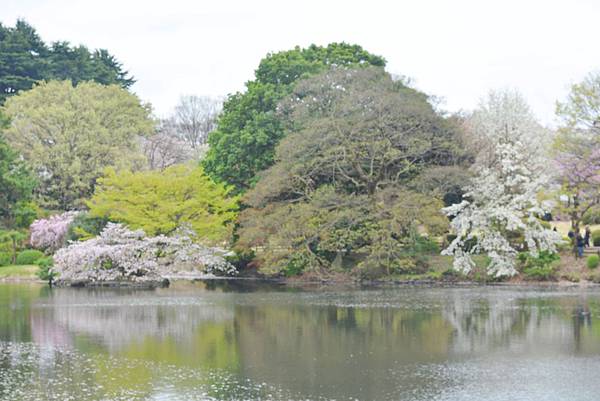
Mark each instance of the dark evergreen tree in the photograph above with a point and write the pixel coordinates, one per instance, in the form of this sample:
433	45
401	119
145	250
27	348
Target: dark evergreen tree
26	59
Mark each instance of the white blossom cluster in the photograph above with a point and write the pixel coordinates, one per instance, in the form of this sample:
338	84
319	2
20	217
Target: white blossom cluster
503	196
501	200
119	254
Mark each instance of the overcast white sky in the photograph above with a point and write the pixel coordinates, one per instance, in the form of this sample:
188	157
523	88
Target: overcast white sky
457	49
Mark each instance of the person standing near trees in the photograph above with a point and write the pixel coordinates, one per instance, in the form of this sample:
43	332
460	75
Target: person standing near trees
573	240
587	235
579	243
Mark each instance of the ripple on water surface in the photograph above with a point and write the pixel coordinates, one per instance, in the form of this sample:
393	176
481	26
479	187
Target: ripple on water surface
410	344
30	373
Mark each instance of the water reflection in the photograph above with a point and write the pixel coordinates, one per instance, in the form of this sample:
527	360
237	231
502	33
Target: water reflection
215	341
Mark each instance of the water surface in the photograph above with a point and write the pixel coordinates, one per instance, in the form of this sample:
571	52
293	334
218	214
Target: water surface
225	341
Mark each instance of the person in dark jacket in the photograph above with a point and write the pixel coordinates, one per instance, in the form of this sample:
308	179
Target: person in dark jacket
580	243
571	235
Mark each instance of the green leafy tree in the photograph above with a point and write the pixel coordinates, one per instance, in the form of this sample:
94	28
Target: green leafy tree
16	188
69	135
339	195
26	59
160	202
249	129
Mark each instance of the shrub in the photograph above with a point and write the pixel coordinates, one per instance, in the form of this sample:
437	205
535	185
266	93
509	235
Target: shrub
369	271
5	259
85	227
295	266
45	271
544	273
596	237
593	261
594	277
44	261
572	277
425	245
542	267
28	257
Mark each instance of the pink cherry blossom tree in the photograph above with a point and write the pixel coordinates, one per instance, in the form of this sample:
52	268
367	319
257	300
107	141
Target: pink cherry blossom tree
50	234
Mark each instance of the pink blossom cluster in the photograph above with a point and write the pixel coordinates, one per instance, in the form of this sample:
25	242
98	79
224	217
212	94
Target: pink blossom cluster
51	233
580	167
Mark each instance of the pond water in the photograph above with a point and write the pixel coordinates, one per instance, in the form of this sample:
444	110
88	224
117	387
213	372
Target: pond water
231	341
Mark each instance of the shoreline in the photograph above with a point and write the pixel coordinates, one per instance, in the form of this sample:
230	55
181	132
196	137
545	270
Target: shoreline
569	273
305	283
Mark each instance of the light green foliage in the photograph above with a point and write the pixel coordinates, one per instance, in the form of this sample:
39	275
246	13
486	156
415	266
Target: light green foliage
5	258
593	261
26	59
581	110
592	216
69	135
248	128
28	257
338	196
12	240
596	238
161	202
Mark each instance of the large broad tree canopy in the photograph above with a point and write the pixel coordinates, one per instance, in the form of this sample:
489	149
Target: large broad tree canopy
26	59
69	135
248	129
358	130
339	193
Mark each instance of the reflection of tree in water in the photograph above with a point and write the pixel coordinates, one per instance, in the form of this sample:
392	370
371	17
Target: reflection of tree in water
140	325
15	310
140	329
363	344
115	321
509	323
338	352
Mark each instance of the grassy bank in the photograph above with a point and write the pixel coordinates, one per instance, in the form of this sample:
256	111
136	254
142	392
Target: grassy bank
21	273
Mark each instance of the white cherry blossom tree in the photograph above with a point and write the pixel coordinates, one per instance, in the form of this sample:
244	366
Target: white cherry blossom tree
501	208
